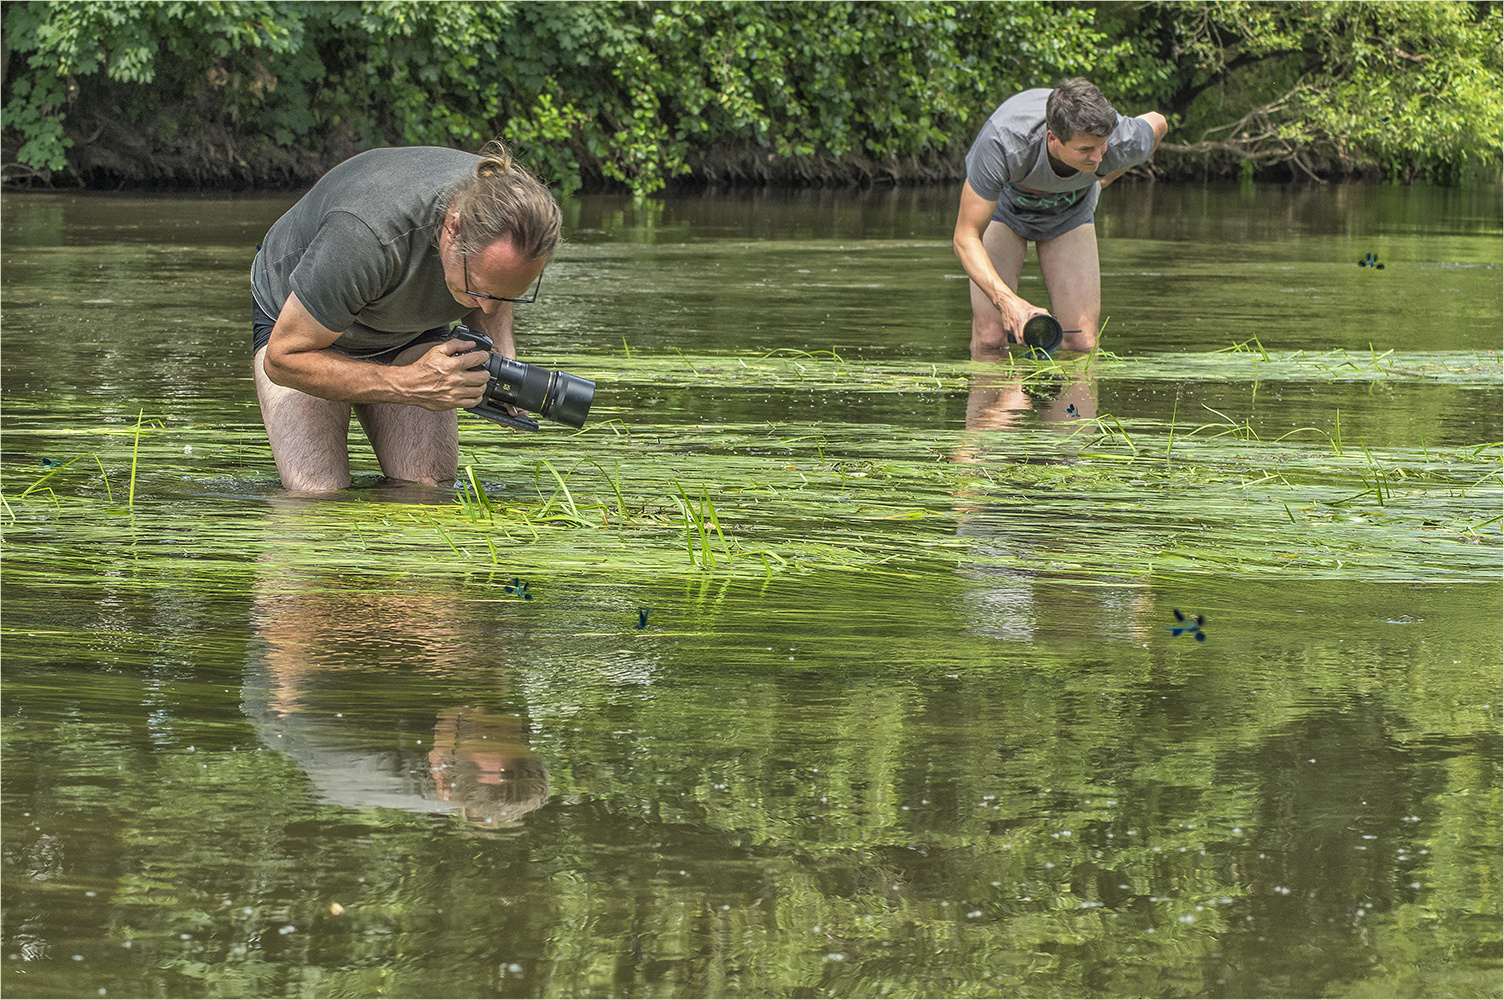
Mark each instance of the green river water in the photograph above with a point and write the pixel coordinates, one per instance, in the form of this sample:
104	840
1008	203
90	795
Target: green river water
822	662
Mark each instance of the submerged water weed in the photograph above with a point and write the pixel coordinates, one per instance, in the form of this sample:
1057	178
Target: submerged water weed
1095	495
1241	362
1213	497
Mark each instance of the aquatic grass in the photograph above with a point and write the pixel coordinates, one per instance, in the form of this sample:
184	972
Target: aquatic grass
760	498
476	491
1243	431
135	453
908	515
1108	429
791	352
1174	412
1376	490
615	483
52	471
444	535
708	509
1243	348
1335	443
695	526
1480	369
813	371
1404	514
1097	350
563	488
707	515
104	477
691	527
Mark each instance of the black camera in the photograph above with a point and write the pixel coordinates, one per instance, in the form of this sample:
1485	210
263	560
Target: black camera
1043	333
1043	336
558	396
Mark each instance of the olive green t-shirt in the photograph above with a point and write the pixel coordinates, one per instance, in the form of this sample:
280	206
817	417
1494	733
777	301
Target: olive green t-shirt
360	248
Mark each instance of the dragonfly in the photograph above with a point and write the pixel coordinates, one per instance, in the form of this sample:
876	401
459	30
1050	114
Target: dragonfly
1071	411
1186	625
518	587
1371	260
642	617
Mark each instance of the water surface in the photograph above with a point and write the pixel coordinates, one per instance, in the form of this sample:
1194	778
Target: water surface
905	716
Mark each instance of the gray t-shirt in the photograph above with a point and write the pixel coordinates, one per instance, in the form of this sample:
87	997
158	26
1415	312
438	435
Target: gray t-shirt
1008	163
359	248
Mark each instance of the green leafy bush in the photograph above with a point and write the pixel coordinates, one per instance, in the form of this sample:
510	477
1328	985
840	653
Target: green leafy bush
1407	90
636	94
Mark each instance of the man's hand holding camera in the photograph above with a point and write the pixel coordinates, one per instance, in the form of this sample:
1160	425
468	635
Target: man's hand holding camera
1016	313
450	376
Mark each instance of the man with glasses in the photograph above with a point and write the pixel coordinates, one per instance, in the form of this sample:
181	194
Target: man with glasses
353	293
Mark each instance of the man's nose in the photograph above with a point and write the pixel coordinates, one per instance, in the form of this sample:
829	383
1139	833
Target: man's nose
489	306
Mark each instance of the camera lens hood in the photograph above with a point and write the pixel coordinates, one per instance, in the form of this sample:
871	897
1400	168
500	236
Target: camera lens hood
570	399
1043	333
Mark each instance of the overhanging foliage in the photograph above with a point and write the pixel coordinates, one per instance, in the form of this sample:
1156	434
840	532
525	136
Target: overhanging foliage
638	94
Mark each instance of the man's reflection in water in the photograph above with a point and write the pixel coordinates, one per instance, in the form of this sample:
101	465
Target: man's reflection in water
1001	401
390	696
1039	522
481	762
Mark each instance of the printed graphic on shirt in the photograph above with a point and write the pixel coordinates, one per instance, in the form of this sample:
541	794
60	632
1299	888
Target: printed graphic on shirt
1028	198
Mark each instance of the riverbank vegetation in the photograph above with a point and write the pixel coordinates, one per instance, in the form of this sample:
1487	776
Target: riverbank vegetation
641	95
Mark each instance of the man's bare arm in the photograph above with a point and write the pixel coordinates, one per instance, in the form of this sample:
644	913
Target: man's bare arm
972	219
497	326
1161	128
297	357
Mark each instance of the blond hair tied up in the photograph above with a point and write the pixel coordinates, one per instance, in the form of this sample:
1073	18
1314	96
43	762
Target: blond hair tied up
495	158
503	201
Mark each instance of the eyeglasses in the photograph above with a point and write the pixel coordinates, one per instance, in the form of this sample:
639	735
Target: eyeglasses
465	263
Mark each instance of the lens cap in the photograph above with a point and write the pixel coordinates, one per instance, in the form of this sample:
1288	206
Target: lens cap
1043	333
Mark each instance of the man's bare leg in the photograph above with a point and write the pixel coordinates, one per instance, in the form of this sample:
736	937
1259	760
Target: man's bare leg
309	436
989	341
1073	277
412	444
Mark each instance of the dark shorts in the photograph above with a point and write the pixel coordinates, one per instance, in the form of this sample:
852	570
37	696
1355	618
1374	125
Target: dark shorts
1032	233
261	335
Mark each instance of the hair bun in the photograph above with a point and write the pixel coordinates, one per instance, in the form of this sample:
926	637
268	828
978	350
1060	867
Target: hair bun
504	201
497	159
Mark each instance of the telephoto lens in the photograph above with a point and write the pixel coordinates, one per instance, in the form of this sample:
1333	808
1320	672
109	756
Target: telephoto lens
558	396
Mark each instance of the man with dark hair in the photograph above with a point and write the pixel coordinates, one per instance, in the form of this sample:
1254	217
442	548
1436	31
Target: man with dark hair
1033	175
